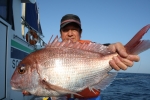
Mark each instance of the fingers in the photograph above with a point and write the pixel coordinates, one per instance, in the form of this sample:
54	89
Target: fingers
120	49
118	63
135	58
126	61
113	65
26	93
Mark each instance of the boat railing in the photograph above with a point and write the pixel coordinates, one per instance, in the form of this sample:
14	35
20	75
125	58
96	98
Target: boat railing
40	40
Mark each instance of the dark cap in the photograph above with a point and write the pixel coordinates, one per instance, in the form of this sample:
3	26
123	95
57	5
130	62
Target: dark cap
70	18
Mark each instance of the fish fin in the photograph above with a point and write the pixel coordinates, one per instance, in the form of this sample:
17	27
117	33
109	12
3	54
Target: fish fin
106	81
91	46
136	45
58	89
55	41
92	89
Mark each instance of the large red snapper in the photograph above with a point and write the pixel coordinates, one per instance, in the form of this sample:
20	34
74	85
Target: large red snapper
67	68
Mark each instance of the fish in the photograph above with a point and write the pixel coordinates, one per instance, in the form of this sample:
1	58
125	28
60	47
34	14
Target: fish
65	67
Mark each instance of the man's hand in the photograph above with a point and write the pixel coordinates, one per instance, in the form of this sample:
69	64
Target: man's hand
123	60
25	93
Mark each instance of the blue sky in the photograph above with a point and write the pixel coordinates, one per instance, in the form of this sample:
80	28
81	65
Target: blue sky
103	21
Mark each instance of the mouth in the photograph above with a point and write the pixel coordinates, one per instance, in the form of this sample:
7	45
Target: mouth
71	39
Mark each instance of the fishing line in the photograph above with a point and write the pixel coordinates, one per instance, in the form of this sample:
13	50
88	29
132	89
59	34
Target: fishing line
139	66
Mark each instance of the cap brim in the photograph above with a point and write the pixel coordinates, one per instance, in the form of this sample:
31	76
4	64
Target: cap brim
63	25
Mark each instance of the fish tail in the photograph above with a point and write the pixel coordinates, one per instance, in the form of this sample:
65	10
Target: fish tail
136	45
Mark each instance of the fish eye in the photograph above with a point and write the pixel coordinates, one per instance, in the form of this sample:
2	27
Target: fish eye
22	69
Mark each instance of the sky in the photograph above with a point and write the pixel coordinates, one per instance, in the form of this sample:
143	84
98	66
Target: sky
103	21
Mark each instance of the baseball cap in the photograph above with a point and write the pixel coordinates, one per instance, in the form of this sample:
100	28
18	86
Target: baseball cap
70	18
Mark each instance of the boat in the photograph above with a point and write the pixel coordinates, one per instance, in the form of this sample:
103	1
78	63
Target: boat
21	34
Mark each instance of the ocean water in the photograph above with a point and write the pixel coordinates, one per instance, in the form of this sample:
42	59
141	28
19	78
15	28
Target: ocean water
128	86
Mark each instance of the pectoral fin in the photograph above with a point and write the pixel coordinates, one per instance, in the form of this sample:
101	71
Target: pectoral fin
58	89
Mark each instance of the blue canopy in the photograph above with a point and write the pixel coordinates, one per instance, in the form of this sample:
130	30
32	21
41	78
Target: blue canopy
32	18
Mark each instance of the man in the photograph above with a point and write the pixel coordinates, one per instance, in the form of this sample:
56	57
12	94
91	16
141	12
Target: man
70	29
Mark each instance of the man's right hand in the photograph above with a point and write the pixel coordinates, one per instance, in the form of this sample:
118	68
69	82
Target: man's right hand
26	93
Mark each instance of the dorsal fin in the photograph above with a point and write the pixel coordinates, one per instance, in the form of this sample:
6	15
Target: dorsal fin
91	47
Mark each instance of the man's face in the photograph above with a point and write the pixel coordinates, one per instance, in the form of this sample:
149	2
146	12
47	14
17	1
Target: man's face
71	32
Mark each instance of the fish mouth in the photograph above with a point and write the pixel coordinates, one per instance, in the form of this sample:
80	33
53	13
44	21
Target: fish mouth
26	92
13	88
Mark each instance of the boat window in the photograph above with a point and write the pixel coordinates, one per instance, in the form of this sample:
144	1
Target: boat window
6	11
3	9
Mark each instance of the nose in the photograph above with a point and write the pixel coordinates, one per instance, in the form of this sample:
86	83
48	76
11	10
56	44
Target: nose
70	33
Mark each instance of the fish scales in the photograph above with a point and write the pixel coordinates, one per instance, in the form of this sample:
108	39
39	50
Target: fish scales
79	62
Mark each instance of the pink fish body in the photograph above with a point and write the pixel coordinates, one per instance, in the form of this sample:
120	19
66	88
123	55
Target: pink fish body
67	68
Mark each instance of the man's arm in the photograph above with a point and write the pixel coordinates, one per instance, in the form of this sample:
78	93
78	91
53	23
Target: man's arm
106	44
